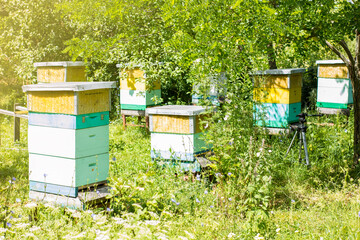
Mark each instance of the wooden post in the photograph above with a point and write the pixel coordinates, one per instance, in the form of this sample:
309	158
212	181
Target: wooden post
124	121
16	125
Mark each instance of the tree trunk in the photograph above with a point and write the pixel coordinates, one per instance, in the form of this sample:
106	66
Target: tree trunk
355	81
353	65
271	56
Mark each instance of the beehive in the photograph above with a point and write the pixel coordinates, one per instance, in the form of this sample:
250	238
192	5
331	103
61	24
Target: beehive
135	92
176	135
277	96
51	72
214	89
334	85
68	141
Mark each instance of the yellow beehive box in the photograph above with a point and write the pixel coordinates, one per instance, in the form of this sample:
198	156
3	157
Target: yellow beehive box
279	78
134	78
176	119
277	95
332	69
69	98
52	72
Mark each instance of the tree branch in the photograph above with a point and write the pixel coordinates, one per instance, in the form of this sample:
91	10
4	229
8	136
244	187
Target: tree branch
357	50
335	50
346	48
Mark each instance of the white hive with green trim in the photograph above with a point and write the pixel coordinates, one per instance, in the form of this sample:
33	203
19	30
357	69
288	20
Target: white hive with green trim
135	92
51	72
334	85
277	96
68	135
176	135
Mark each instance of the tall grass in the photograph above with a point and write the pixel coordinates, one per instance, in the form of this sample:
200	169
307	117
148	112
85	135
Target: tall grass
151	202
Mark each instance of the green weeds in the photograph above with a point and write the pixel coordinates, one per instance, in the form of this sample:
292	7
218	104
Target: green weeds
254	192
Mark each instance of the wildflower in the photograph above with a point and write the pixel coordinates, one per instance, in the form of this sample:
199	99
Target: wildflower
194	170
18	200
98	192
278	230
345	131
9	225
229	173
114	159
12	212
231	235
359	214
270	151
177	204
218	174
31	205
226	117
93	215
205	192
109	210
211	206
258	154
11	217
45	175
14	179
292	201
173	200
258	237
198	177
230	199
197	200
19	216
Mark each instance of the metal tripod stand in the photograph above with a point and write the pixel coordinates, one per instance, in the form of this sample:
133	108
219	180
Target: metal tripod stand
301	129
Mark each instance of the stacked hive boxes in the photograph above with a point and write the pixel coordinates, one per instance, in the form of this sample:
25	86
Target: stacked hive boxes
51	72
334	85
277	96
135	92
68	135
176	136
214	89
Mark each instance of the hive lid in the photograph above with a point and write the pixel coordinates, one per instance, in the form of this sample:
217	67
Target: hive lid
182	110
280	71
69	86
320	62
59	64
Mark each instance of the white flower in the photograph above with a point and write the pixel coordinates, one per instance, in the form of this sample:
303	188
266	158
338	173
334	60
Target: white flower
22	225
278	230
270	151
152	222
258	237
226	117
231	235
258	154
34	228
31	205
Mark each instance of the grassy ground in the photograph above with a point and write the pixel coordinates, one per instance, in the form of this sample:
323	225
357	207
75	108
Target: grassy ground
152	203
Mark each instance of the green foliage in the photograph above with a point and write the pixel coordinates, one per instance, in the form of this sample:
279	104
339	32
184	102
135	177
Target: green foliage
30	31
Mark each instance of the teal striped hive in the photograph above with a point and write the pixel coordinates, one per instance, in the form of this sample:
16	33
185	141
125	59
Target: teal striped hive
176	135
334	85
277	95
68	151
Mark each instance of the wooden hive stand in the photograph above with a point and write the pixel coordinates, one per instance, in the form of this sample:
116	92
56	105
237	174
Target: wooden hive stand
139	114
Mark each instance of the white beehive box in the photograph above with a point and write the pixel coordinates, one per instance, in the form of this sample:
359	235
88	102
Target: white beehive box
176	133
